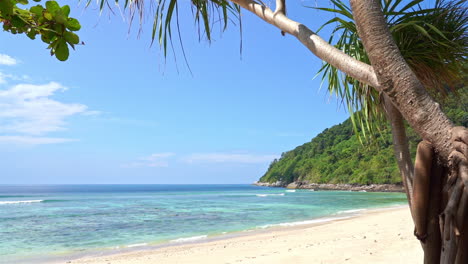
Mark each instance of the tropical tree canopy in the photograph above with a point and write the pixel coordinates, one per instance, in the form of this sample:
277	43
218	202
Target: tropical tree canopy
50	22
441	29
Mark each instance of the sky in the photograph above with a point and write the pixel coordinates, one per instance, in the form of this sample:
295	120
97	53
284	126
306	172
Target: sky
119	112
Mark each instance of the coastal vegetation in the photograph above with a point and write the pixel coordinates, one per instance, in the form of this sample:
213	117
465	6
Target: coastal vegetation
336	155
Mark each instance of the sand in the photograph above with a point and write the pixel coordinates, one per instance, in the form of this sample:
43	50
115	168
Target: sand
381	236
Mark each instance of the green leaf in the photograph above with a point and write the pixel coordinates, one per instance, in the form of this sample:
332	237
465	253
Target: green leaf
66	10
60	17
47	36
6	8
48	16
71	37
61	50
37	10
52	6
422	30
23	2
31	34
59	28
73	24
204	12
17	22
45	39
411	4
436	30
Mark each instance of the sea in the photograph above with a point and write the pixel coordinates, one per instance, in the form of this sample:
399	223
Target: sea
41	223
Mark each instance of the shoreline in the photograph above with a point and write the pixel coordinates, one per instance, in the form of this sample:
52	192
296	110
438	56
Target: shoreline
177	252
334	187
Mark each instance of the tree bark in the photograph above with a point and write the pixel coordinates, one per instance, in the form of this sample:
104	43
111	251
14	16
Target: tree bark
400	147
428	202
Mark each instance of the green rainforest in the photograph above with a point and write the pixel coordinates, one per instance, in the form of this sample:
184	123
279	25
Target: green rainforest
336	155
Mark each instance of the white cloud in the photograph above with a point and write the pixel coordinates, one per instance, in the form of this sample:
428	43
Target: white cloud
228	158
5	77
153	160
28	109
162	159
7	60
28	140
28	113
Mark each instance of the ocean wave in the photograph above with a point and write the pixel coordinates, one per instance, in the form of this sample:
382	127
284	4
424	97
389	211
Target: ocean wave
136	245
12	196
20	202
350	211
188	239
290	190
55	201
306	222
265	195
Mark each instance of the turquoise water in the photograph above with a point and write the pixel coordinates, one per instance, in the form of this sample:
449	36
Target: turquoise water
47	221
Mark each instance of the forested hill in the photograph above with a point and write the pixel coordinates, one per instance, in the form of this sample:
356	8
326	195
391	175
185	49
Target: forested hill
337	156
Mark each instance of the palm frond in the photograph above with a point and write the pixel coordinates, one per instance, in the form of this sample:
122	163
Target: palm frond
206	13
434	42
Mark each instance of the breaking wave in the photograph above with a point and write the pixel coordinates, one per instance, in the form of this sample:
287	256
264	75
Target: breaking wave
189	239
265	195
20	202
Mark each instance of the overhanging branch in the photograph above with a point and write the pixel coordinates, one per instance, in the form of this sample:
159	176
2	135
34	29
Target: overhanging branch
322	49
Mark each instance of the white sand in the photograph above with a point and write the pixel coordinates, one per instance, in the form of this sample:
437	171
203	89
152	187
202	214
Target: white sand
384	236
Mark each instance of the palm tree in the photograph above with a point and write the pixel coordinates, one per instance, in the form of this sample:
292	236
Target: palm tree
416	30
440	30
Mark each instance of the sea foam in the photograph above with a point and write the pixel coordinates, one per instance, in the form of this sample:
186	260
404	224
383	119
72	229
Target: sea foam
188	239
265	195
20	202
307	222
351	211
137	245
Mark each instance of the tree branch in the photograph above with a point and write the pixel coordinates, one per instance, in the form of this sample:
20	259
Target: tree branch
322	49
397	79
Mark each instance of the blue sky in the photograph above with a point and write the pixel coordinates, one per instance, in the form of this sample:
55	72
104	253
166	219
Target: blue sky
118	112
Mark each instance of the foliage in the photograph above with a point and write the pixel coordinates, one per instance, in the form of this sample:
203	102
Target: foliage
441	29
51	22
166	16
337	156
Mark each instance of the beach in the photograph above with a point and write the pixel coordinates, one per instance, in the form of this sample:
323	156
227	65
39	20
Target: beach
375	236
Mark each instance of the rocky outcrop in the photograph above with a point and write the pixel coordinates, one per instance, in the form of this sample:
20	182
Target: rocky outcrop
270	184
336	187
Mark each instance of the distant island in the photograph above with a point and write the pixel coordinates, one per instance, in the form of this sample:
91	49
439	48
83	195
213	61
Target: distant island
336	160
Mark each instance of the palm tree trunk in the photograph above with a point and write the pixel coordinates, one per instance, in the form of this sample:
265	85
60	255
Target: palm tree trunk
428	201
397	80
400	147
422	185
406	92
